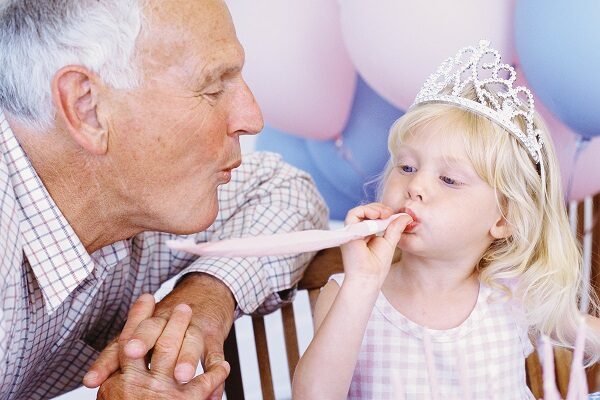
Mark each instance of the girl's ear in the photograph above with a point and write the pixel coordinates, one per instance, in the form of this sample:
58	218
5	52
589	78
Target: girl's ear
501	229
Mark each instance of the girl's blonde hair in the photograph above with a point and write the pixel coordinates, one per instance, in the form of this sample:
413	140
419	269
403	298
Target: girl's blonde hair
541	255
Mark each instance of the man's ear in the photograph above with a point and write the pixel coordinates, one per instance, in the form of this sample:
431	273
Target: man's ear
74	91
501	229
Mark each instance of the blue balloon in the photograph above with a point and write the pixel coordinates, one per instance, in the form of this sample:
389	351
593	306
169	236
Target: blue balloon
362	154
293	150
557	42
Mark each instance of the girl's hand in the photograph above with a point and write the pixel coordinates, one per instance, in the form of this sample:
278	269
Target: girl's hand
369	259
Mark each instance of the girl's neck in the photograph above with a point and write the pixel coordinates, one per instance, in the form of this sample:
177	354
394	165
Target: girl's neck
428	275
432	293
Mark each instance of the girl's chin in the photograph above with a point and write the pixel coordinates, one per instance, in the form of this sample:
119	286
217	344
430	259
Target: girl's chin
407	242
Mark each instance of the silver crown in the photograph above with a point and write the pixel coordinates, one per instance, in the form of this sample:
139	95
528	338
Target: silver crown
504	107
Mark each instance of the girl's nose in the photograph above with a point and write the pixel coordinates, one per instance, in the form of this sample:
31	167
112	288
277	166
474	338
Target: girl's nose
417	187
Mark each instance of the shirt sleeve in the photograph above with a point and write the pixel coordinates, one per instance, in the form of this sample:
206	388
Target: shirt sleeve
265	196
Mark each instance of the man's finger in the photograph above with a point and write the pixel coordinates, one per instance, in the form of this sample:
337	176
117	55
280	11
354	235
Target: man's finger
106	363
208	382
213	352
190	354
218	394
142	309
109	359
166	350
144	338
213	359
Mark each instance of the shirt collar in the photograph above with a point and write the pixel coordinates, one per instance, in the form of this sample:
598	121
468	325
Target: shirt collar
56	255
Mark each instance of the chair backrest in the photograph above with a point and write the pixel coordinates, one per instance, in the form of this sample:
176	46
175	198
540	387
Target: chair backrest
326	263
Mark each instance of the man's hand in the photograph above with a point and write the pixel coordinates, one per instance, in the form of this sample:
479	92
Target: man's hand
136	381
212	307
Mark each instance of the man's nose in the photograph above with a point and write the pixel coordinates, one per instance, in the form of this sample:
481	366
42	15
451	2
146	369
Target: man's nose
247	118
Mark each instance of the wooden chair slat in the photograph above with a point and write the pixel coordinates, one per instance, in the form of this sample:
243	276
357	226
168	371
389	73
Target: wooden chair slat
326	263
233	384
562	369
291	338
262	354
534	375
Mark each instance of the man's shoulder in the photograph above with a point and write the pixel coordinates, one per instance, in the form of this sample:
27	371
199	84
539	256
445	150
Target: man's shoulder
9	218
7	191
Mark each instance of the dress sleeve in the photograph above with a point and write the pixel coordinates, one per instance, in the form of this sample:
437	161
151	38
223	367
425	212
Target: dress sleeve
522	325
338	278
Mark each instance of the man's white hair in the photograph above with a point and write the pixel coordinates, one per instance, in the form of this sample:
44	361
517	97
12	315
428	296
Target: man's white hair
38	37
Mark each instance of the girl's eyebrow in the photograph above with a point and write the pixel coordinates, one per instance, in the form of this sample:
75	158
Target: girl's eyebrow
444	158
404	148
454	161
460	163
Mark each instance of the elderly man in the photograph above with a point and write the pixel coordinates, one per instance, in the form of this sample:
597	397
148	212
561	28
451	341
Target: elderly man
119	119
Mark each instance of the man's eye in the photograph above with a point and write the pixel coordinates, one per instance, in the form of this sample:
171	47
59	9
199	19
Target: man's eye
215	94
210	95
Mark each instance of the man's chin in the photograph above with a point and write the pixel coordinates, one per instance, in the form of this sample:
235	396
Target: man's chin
191	216
199	220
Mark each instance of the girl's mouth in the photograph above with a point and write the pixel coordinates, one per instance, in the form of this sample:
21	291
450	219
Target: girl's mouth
409	228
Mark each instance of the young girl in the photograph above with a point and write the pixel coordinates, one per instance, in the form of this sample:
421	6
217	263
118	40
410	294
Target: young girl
488	262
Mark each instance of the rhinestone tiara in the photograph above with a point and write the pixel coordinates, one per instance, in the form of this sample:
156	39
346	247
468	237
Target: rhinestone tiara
503	106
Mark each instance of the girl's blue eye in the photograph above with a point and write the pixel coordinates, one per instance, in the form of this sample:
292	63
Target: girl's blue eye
449	181
407	168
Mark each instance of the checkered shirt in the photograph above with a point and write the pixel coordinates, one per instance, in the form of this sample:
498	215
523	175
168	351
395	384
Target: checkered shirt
61	305
489	347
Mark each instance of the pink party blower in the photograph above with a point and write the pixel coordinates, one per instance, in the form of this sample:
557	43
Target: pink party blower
285	243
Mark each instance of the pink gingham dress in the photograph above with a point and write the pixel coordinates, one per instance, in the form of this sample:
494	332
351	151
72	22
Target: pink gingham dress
483	358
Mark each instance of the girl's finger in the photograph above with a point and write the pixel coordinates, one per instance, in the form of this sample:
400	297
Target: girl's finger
368	211
394	231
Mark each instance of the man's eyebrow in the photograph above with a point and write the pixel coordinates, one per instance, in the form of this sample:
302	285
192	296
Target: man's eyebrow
209	74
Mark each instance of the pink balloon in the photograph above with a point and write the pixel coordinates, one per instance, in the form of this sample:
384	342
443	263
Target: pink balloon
585	174
396	45
297	64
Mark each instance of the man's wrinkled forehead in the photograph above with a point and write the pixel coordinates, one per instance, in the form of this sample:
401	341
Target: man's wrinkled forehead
181	10
183	31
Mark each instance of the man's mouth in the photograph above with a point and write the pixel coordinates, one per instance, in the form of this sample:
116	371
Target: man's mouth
225	173
233	165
